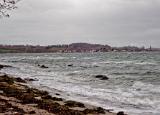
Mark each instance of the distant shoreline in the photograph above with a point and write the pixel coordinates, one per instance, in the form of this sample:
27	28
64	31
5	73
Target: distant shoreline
72	48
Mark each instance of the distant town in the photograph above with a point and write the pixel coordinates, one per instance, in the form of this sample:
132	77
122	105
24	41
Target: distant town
71	48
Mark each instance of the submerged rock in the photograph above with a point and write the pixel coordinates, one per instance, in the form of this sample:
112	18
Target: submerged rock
102	77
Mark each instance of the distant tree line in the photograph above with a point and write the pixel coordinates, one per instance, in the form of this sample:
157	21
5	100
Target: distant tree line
69	48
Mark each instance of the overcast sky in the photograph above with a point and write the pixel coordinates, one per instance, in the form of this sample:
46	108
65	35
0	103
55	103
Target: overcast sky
113	22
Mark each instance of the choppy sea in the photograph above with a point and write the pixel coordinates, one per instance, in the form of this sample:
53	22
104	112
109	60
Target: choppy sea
133	85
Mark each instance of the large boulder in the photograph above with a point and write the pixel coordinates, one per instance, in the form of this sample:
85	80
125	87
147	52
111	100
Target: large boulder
102	77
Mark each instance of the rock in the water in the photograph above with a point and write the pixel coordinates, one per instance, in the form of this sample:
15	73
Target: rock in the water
2	66
57	94
120	113
43	66
30	79
20	80
102	77
70	65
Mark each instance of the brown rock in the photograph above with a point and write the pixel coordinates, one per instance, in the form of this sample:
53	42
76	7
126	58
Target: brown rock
74	104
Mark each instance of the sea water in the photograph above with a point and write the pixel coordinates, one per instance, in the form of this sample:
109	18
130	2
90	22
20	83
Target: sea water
133	85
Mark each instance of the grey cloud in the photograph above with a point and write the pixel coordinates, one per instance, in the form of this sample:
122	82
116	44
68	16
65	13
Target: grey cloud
114	22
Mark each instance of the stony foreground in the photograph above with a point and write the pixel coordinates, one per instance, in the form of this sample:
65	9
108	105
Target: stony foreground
16	98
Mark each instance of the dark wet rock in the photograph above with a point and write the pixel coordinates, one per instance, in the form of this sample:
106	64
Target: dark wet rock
6	78
43	66
11	91
102	77
57	94
30	79
47	97
32	112
41	92
57	99
57	108
7	107
27	98
94	111
120	113
10	80
70	65
2	66
20	80
74	104
95	66
37	92
100	110
50	106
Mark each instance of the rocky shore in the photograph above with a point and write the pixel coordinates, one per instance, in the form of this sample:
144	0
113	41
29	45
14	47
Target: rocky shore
16	98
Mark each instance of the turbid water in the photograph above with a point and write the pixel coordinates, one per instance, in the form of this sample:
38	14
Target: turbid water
133	85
